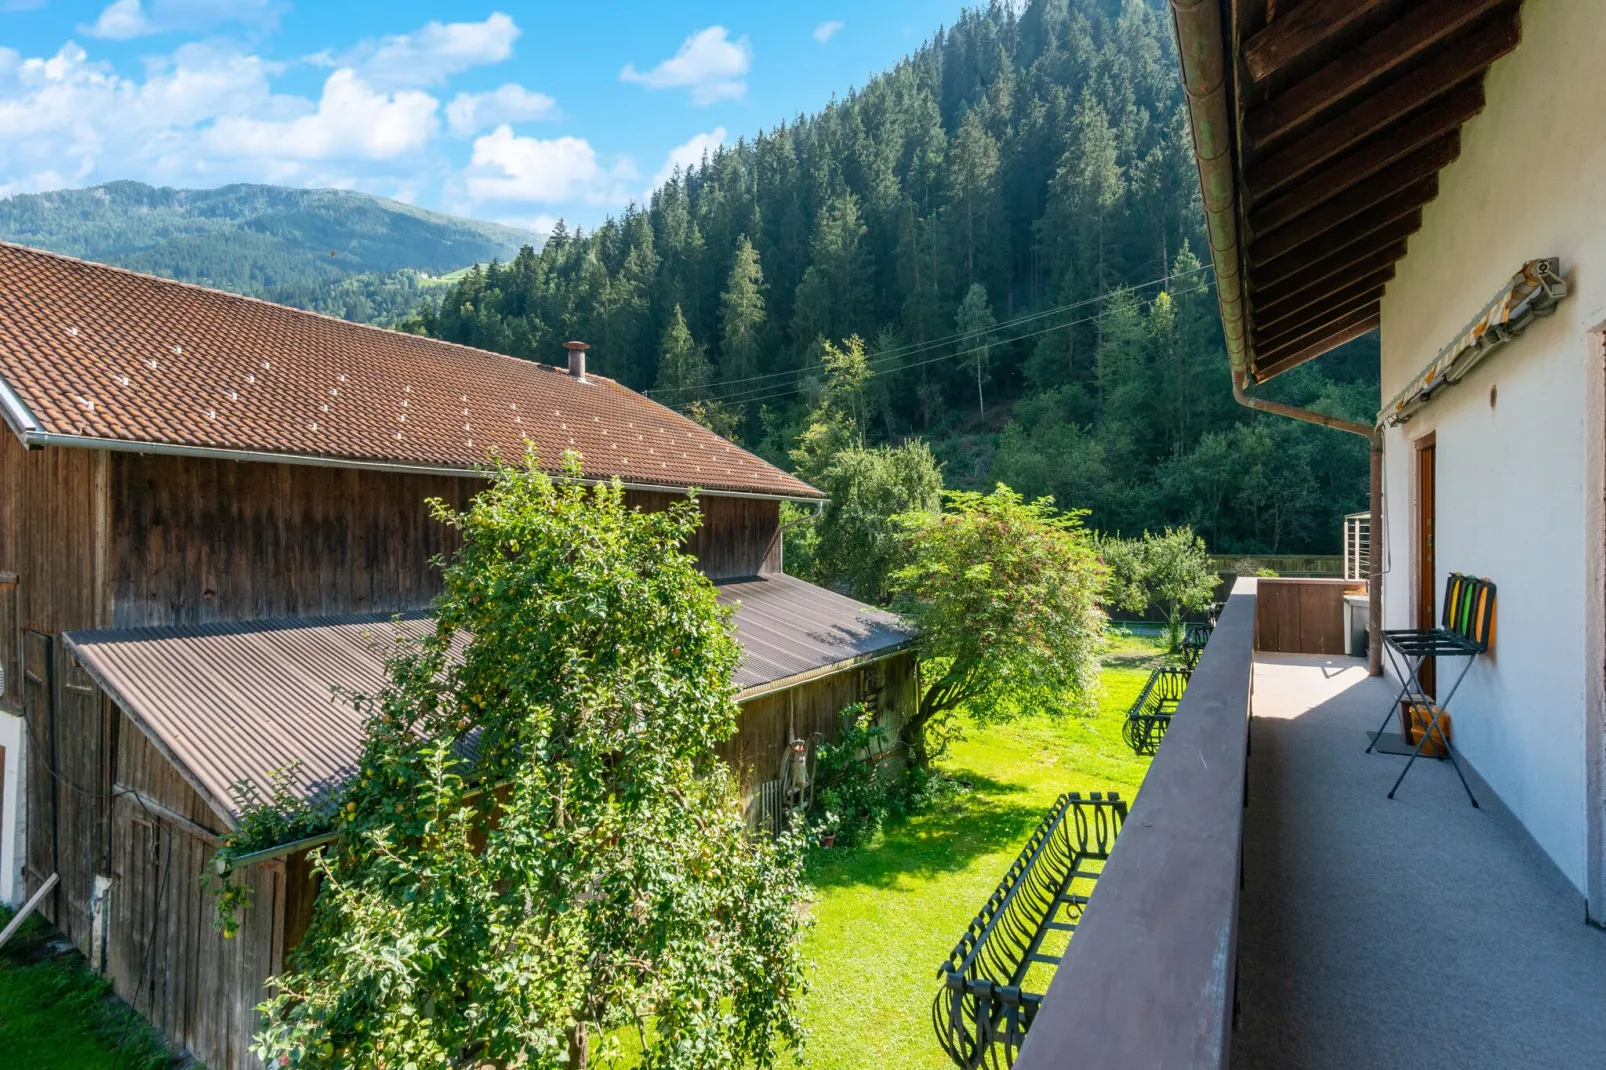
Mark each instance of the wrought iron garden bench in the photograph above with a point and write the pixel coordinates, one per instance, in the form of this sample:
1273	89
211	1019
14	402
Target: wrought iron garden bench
1193	643
1150	715
990	991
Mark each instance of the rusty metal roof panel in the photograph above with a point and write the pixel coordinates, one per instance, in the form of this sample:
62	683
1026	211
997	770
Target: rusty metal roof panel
236	701
101	353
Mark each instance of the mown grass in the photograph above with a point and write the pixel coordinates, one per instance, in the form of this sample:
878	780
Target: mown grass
57	1015
886	915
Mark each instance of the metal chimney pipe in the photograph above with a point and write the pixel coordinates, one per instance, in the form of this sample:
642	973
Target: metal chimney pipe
577	359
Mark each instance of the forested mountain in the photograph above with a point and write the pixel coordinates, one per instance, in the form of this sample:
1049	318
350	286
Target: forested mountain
1009	219
335	251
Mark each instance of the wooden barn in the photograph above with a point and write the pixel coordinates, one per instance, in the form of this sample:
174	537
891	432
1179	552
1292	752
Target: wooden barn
212	509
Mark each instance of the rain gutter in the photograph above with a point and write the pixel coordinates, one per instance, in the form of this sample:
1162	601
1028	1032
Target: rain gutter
1202	50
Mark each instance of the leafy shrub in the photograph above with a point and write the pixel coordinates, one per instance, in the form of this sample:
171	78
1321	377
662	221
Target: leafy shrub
855	786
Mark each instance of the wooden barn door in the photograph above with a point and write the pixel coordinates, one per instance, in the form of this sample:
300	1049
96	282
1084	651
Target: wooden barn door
1426	557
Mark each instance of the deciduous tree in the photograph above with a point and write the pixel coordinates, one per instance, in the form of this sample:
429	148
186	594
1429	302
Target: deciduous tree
540	850
1004	594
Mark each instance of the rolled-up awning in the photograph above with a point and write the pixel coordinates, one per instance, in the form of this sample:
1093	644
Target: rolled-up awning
1532	292
235	701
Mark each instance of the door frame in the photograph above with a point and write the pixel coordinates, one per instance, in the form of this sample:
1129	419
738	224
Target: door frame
1424	545
1595	618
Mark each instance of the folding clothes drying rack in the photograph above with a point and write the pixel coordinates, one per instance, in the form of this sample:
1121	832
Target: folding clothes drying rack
1468	624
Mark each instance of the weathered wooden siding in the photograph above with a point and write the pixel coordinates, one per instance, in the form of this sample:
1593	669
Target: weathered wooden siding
199	540
199	988
51	523
739	536
196	540
813	711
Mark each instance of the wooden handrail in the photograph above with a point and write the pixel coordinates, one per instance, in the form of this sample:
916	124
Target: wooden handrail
1147	983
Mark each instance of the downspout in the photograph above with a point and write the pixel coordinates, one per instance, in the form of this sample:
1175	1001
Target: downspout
1202	49
1374	556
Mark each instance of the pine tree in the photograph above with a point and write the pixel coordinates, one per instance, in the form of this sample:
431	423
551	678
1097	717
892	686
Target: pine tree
974	320
742	315
973	191
683	369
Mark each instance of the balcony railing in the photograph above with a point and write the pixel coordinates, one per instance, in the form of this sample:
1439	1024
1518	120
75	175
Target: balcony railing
1147	982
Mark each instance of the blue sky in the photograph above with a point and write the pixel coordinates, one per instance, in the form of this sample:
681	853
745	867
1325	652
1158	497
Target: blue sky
521	113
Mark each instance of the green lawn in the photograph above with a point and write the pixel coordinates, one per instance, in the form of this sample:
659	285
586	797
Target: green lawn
56	1015
887	915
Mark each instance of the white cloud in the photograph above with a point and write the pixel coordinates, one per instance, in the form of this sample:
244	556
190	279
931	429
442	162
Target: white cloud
709	63
121	20
827	30
352	120
508	168
62	115
541	225
469	113
687	155
433	52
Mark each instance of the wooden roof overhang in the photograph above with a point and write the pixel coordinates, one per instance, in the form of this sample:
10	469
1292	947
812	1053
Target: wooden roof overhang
1320	128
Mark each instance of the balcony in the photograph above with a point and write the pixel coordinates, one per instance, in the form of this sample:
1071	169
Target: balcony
1365	932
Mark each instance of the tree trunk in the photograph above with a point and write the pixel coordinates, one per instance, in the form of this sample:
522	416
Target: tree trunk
579	1047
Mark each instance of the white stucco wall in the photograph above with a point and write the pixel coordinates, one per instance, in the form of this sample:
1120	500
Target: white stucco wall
13	822
1517	482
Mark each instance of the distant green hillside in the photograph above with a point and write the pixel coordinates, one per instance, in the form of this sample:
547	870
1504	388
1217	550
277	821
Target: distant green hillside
337	251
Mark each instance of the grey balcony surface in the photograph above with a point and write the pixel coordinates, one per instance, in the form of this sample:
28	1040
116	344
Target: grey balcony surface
1412	933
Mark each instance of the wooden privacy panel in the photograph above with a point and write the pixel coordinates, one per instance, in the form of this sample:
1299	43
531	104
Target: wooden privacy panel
1302	616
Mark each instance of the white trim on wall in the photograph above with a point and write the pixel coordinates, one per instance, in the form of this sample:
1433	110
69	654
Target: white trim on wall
13	808
1595	614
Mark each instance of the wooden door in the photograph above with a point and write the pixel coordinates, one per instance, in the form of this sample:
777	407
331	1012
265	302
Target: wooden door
1426	558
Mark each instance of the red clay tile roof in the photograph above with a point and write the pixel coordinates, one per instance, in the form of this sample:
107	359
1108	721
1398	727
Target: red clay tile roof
101	352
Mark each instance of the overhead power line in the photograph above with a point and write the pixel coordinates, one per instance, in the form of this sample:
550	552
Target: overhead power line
753	394
916	347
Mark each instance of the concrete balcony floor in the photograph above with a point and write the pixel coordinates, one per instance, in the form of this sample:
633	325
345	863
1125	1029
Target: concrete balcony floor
1412	933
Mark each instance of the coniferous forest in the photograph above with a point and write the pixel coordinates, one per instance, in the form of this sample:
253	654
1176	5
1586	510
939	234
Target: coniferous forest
1009	220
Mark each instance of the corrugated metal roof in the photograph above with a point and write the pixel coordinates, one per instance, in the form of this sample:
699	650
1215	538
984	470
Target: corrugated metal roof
790	628
109	355
228	702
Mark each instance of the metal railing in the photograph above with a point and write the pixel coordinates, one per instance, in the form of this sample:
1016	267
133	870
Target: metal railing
1358	546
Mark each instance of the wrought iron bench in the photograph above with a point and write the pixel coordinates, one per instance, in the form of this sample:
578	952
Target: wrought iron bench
1150	715
1194	641
990	993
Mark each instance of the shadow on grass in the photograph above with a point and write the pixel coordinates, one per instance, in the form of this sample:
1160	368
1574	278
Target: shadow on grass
987	819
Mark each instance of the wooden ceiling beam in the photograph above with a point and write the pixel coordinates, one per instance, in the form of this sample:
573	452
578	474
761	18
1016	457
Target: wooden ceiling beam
1423	164
1272	364
1443	116
1291	36
1275	298
1301	310
1301	247
1408	37
1335	246
1470	58
1317	320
